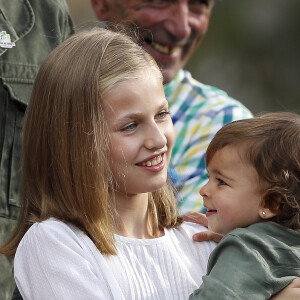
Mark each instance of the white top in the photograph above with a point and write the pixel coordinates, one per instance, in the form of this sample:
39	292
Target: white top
58	261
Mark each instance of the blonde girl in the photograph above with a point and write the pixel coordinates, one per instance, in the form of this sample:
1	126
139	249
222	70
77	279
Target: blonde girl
99	220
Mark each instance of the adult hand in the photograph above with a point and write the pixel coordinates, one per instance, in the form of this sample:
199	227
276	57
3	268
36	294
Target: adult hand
201	219
291	292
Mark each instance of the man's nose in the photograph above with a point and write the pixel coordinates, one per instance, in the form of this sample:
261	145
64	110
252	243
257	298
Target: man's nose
177	22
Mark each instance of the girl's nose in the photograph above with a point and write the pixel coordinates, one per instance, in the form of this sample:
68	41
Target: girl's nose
155	138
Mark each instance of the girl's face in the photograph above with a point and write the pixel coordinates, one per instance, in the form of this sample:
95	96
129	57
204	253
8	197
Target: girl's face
232	195
141	133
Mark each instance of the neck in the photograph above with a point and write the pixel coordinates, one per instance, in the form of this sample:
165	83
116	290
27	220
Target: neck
133	216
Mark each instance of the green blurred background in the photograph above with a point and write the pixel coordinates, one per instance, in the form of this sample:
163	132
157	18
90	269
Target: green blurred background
252	51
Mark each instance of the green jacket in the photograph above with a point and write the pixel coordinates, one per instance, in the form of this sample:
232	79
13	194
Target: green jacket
36	27
252	263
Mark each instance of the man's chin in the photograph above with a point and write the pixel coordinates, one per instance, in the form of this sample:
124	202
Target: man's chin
168	64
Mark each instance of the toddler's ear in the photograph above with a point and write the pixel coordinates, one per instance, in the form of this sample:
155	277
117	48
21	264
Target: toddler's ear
270	207
266	213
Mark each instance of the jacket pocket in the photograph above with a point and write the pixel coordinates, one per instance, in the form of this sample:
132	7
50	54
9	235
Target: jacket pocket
11	123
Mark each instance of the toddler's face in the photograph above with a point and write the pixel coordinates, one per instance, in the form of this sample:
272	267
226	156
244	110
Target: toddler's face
232	195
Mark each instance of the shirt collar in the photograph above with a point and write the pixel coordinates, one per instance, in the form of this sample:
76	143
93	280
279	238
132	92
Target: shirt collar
169	87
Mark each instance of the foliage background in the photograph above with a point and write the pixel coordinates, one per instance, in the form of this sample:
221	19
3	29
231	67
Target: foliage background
252	51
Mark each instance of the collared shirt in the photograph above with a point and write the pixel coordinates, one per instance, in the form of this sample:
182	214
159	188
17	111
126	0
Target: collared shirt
198	111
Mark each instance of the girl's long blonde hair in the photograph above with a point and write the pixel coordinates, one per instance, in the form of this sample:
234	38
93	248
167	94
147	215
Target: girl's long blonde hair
66	171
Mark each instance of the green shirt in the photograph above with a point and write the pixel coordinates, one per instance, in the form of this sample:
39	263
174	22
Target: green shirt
252	263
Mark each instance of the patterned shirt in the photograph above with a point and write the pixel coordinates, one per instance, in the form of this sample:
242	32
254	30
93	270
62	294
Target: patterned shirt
198	112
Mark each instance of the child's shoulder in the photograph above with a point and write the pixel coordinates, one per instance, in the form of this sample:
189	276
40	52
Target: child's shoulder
266	232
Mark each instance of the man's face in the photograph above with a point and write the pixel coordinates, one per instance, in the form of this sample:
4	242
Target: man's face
171	29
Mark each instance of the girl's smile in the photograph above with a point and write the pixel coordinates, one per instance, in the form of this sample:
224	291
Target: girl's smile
154	164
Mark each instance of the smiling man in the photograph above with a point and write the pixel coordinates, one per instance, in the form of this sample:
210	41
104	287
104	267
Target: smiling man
171	32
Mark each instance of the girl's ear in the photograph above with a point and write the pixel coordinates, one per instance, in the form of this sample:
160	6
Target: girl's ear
101	9
270	208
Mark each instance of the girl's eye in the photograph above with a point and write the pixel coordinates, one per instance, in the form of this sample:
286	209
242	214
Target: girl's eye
221	182
129	127
162	115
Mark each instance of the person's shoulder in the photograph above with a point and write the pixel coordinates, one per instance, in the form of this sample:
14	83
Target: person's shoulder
186	230
61	4
184	233
262	228
49	4
207	91
266	241
272	230
264	233
211	96
51	224
50	231
191	228
249	232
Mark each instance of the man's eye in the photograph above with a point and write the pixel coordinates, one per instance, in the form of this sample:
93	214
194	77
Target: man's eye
201	2
162	115
155	3
161	2
221	182
129	127
195	6
199	6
